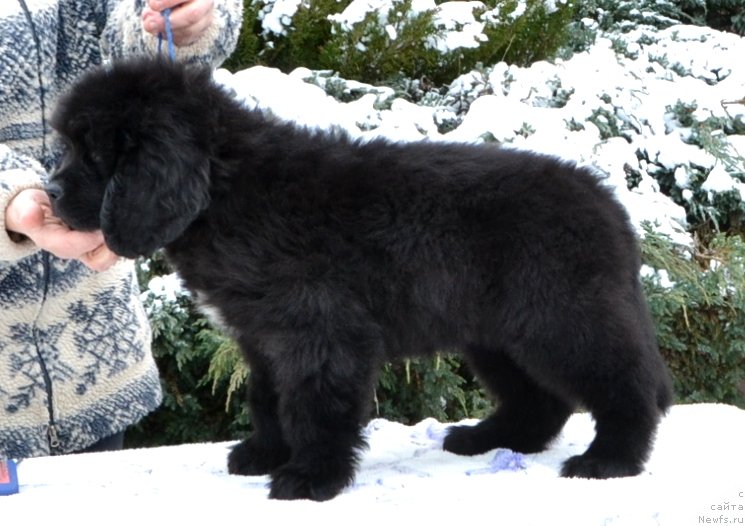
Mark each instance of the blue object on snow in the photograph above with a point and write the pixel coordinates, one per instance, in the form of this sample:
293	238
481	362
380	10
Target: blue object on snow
504	460
437	432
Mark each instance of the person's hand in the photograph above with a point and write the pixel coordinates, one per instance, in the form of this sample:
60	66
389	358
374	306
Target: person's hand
189	18
30	213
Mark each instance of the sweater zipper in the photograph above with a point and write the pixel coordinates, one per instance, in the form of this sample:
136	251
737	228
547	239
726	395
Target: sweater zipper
52	429
39	75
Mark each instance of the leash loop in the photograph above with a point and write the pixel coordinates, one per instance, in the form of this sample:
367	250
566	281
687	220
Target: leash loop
169	36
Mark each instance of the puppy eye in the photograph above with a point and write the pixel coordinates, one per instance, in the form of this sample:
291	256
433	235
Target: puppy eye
93	158
96	158
65	145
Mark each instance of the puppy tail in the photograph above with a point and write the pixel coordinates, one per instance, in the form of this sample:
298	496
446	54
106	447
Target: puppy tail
664	394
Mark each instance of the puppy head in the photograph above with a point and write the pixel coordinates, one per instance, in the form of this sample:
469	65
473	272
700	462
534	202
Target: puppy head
137	160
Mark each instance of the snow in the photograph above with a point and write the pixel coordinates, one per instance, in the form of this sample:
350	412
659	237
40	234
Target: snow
630	80
694	475
276	16
460	27
357	10
168	287
461	23
719	181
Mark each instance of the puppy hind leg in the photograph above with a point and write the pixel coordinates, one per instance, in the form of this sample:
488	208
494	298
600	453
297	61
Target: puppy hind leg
623	440
627	398
527	418
265	450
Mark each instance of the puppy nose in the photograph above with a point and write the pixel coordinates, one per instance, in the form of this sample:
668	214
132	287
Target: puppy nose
54	191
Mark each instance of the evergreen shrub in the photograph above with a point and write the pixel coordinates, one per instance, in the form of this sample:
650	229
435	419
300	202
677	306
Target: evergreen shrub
725	15
709	211
697	298
386	44
199	405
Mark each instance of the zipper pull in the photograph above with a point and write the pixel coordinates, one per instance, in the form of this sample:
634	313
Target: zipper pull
53	436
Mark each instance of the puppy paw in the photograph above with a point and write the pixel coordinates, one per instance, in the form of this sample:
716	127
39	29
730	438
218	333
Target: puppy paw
464	440
490	434
248	458
293	482
592	467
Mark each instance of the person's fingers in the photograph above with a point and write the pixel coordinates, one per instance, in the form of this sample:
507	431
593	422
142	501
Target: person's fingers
30	213
189	20
99	259
65	243
26	212
160	5
87	247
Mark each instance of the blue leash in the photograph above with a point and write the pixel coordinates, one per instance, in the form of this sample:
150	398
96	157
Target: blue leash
169	36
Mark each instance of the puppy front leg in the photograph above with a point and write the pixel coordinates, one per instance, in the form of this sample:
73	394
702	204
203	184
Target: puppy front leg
325	393
265	450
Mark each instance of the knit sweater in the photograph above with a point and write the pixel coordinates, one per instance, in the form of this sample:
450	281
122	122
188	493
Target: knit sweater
75	360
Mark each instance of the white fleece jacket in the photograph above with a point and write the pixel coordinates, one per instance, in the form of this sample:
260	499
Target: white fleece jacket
75	361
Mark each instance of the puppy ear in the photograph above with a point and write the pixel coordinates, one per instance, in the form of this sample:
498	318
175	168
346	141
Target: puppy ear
157	190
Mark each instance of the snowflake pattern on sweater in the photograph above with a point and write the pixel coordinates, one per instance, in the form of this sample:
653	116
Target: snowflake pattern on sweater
103	321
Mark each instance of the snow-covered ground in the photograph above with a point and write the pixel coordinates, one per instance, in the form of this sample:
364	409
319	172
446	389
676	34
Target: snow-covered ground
694	476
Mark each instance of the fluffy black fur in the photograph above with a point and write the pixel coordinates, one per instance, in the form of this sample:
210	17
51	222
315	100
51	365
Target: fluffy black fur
327	256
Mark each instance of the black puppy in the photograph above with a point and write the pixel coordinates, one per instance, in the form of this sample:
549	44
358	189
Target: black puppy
327	256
